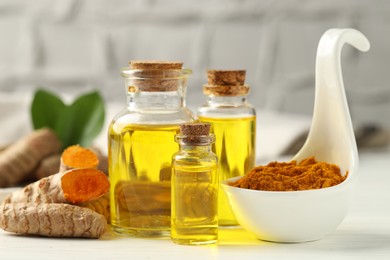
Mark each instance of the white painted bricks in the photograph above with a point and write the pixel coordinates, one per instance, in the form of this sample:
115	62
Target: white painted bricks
75	46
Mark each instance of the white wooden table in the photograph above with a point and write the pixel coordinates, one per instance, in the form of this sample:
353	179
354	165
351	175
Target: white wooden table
364	234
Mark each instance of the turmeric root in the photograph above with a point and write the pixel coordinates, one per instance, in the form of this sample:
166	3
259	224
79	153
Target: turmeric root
3	147
100	205
39	207
74	186
52	163
22	157
103	160
52	220
47	167
86	185
75	157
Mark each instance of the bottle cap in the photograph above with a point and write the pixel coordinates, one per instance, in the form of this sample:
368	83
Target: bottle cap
226	77
155	65
195	134
156	76
195	129
226	83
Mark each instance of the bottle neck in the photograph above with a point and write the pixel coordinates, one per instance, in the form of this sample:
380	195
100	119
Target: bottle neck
142	100
156	89
198	143
226	100
204	148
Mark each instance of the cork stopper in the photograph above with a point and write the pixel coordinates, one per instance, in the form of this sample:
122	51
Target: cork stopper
155	75
226	83
195	129
195	133
226	77
155	65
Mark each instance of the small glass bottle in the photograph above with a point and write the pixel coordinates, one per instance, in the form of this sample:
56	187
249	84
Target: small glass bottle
233	122
141	144
194	187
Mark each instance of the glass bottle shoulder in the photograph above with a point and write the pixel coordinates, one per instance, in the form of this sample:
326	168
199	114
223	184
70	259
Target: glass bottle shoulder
226	111
195	157
150	117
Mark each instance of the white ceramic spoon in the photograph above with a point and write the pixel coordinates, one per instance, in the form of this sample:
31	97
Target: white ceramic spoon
331	137
298	216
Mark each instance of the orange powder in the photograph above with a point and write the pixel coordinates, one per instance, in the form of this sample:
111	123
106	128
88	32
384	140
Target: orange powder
290	176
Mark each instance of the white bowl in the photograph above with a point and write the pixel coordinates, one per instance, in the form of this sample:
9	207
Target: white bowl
292	216
298	216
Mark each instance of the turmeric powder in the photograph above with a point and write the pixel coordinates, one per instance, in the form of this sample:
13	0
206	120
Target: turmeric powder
51	220
290	176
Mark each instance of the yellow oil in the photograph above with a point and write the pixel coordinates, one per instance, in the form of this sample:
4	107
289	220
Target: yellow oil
140	177
235	148
194	203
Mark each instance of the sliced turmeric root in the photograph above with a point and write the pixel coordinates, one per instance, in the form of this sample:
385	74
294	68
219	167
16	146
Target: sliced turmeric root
76	157
81	185
73	186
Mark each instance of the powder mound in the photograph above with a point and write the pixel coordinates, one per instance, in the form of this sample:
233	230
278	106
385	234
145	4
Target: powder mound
290	176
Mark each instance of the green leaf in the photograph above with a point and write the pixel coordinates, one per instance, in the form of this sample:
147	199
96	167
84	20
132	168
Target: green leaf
45	109
78	123
82	121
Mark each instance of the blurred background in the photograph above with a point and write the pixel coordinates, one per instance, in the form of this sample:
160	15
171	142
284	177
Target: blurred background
75	46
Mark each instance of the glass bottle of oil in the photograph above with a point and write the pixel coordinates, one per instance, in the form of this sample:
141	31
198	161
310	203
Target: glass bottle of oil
194	187
233	122
141	142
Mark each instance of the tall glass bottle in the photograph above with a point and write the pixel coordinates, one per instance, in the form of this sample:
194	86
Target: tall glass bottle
194	187
233	122
141	142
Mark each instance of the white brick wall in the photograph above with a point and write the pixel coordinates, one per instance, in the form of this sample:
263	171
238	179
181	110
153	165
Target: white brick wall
74	46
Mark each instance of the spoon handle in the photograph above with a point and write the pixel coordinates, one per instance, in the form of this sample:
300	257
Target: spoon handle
331	137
